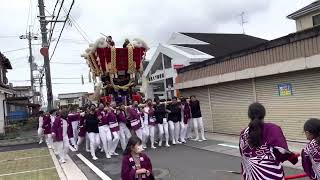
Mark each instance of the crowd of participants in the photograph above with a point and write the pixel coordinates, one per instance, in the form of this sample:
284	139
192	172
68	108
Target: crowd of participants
106	126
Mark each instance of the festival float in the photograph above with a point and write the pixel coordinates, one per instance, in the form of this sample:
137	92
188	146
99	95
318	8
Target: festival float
117	69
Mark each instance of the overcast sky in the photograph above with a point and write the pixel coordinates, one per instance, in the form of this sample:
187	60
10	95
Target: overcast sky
151	20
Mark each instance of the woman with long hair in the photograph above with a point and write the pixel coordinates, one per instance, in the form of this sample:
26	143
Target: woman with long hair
310	154
135	164
263	147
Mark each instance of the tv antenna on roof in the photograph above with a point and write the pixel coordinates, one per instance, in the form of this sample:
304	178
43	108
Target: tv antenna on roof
243	21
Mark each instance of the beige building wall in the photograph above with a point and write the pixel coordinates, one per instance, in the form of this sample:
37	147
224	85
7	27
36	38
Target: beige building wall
2	109
305	22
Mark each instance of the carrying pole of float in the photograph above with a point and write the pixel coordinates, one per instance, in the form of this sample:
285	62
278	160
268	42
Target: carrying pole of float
45	47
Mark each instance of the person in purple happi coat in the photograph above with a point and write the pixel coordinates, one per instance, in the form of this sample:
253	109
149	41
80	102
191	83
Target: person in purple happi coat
60	135
114	129
135	119
263	148
135	164
311	153
186	117
151	122
46	126
125	133
73	119
82	133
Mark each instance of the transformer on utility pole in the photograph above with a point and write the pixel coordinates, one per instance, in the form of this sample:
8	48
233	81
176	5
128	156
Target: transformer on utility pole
30	36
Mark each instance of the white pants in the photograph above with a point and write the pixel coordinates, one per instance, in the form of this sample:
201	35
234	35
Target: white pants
183	132
40	134
114	142
151	133
49	140
145	134
189	129
174	131
94	142
81	139
125	134
62	148
75	131
139	133
198	124
106	138
163	130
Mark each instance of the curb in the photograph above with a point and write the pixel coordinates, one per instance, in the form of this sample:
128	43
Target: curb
59	169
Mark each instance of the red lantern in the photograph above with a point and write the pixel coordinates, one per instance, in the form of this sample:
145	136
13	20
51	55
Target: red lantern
44	51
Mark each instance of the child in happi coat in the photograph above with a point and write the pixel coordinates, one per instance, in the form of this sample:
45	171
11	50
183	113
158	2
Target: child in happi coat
135	164
60	135
263	148
311	153
125	133
47	129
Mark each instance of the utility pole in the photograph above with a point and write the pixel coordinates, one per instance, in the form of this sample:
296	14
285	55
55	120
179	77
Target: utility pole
44	33
30	37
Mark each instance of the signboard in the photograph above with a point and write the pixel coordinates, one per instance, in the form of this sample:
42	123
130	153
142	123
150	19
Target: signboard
285	89
178	66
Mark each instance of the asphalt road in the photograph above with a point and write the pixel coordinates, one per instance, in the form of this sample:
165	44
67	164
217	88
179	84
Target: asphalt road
178	162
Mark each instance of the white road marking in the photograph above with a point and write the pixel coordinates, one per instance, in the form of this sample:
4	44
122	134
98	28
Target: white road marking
229	145
22	172
16	159
94	168
72	149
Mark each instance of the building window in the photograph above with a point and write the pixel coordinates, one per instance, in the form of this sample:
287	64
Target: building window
70	101
316	20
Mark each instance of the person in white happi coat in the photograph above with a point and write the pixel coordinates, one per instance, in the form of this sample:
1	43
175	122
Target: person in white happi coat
40	130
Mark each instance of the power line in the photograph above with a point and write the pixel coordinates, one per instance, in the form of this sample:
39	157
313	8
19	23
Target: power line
78	28
54	24
66	63
13	50
28	15
64	24
13	36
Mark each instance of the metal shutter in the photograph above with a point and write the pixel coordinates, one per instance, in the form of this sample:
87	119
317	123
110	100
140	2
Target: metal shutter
202	95
230	103
290	112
